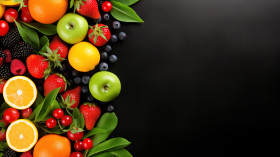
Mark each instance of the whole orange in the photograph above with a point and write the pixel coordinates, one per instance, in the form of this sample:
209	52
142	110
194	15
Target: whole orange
47	11
52	145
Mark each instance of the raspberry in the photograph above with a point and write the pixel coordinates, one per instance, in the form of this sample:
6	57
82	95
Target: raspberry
17	67
26	154
8	54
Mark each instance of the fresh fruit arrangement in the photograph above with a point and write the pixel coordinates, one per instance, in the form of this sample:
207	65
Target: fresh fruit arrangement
57	90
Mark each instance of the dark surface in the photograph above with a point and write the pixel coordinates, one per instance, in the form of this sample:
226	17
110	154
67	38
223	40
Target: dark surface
201	78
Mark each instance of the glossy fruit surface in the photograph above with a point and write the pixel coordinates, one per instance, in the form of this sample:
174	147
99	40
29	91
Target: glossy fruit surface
66	120
58	113
23	139
76	136
10	115
107	6
26	112
83	56
79	146
25	13
87	143
49	11
52	146
4	28
2	135
51	123
20	92
11	15
76	154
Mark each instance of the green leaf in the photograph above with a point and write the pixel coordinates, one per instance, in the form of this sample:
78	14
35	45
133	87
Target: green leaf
38	100
29	35
71	3
109	145
46	29
124	13
127	2
55	130
2	125
118	153
107	121
78	119
94	131
1	154
44	43
3	145
4	106
36	111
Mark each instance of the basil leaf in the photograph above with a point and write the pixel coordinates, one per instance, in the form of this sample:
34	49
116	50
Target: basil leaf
124	13
118	153
94	131
107	121
109	145
127	2
44	43
46	29
4	106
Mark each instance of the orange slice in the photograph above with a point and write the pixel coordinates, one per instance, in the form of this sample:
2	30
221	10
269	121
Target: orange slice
20	92
21	135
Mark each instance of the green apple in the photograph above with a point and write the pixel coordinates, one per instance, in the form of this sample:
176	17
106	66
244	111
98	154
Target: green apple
72	28
104	86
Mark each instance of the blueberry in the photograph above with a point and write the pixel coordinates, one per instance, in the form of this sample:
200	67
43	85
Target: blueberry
103	66
108	48
62	68
116	25
104	55
75	73
99	20
90	98
84	89
77	80
113	58
122	35
110	108
85	79
106	17
114	38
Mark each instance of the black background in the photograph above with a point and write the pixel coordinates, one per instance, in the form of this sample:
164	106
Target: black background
201	78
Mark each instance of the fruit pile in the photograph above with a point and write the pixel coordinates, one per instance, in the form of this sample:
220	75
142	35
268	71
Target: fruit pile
57	90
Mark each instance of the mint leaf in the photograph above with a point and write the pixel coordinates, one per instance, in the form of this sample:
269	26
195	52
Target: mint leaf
109	145
46	29
124	13
127	2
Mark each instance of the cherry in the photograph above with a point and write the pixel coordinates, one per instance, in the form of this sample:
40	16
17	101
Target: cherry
10	115
2	135
76	154
26	17
11	15
107	6
75	137
4	28
5	122
58	113
66	120
79	146
51	123
87	143
26	112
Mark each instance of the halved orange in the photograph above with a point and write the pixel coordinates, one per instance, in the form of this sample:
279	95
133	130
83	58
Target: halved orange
21	135
20	92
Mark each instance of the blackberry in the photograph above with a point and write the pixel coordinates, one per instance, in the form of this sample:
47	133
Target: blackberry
10	153
5	72
2	54
11	38
22	50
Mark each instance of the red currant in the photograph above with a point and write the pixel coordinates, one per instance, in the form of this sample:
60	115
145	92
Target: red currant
51	123
2	135
11	15
4	28
79	146
10	115
76	154
66	120
107	6
87	143
26	112
75	137
58	113
26	17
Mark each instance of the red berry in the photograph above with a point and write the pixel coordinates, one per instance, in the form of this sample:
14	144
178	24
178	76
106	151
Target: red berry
107	6
4	28
58	113
2	84
66	120
10	115
5	122
2	135
75	137
79	146
76	154
87	143
17	67
26	112
51	123
11	15
8	54
26	17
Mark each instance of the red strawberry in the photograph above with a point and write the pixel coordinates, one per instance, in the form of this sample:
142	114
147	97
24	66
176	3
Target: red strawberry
71	98
54	81
91	113
38	66
57	51
26	154
87	8
99	34
2	83
17	67
8	54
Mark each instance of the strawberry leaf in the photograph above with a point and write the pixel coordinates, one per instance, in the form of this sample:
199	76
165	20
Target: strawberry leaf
73	131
